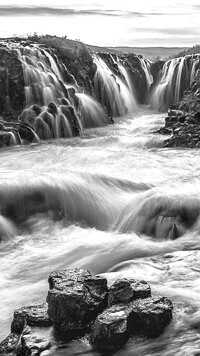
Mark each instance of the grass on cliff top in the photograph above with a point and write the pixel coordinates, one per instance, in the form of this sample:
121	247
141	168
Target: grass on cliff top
76	46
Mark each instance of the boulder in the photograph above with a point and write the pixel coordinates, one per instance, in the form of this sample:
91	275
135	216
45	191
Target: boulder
144	317
75	298
150	316
36	341
9	345
126	290
33	315
111	328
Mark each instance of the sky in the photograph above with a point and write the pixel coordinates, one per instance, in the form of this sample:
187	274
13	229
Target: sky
106	22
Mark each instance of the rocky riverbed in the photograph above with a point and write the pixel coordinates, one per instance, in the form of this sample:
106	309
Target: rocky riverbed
81	305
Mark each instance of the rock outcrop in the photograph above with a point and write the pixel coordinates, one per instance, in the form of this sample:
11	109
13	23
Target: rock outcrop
75	298
147	317
184	129
79	303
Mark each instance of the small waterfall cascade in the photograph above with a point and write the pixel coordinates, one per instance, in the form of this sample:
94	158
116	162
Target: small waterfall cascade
126	76
54	108
111	90
146	64
92	113
176	76
41	75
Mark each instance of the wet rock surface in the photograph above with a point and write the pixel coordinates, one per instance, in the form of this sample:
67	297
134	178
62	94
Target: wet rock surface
147	317
75	298
9	345
150	316
64	62
35	341
125	290
79	303
111	328
184	129
33	315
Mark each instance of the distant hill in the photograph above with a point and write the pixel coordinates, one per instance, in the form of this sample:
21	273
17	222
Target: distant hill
147	52
152	52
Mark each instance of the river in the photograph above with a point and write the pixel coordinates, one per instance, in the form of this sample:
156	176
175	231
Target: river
91	201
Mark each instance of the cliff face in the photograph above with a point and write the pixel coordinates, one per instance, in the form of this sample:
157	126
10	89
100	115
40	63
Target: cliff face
191	99
56	87
76	65
12	97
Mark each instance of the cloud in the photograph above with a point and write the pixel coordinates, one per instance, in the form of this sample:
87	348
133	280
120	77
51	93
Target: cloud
61	11
17	10
184	31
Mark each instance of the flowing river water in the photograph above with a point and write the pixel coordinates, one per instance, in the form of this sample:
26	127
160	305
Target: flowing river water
106	201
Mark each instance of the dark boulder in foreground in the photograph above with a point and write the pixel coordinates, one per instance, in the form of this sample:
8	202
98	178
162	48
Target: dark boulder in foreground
75	298
80	303
111	328
34	315
125	290
146	317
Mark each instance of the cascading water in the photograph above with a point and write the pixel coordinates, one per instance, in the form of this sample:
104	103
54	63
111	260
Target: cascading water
54	108
146	64
92	113
112	201
111	90
176	76
41	76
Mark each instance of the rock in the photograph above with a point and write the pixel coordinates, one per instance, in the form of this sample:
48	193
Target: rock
9	345
111	328
35	341
52	108
182	119
12	95
150	316
33	315
171	120
126	290
75	298
197	115
144	317
173	112
27	133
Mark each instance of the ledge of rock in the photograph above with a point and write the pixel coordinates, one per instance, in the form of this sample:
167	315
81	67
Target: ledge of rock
79	302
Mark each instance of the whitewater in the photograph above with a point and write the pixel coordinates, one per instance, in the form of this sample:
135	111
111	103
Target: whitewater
115	202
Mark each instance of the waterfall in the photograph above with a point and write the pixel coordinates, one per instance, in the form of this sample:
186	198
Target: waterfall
194	68
41	75
111	90
92	113
126	76
145	63
176	76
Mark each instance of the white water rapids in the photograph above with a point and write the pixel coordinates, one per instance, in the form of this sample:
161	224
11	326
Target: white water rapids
90	201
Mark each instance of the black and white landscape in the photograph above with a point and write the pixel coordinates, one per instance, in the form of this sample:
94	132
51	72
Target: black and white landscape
99	178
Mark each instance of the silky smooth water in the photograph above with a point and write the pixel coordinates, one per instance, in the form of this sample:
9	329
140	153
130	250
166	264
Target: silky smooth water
91	201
